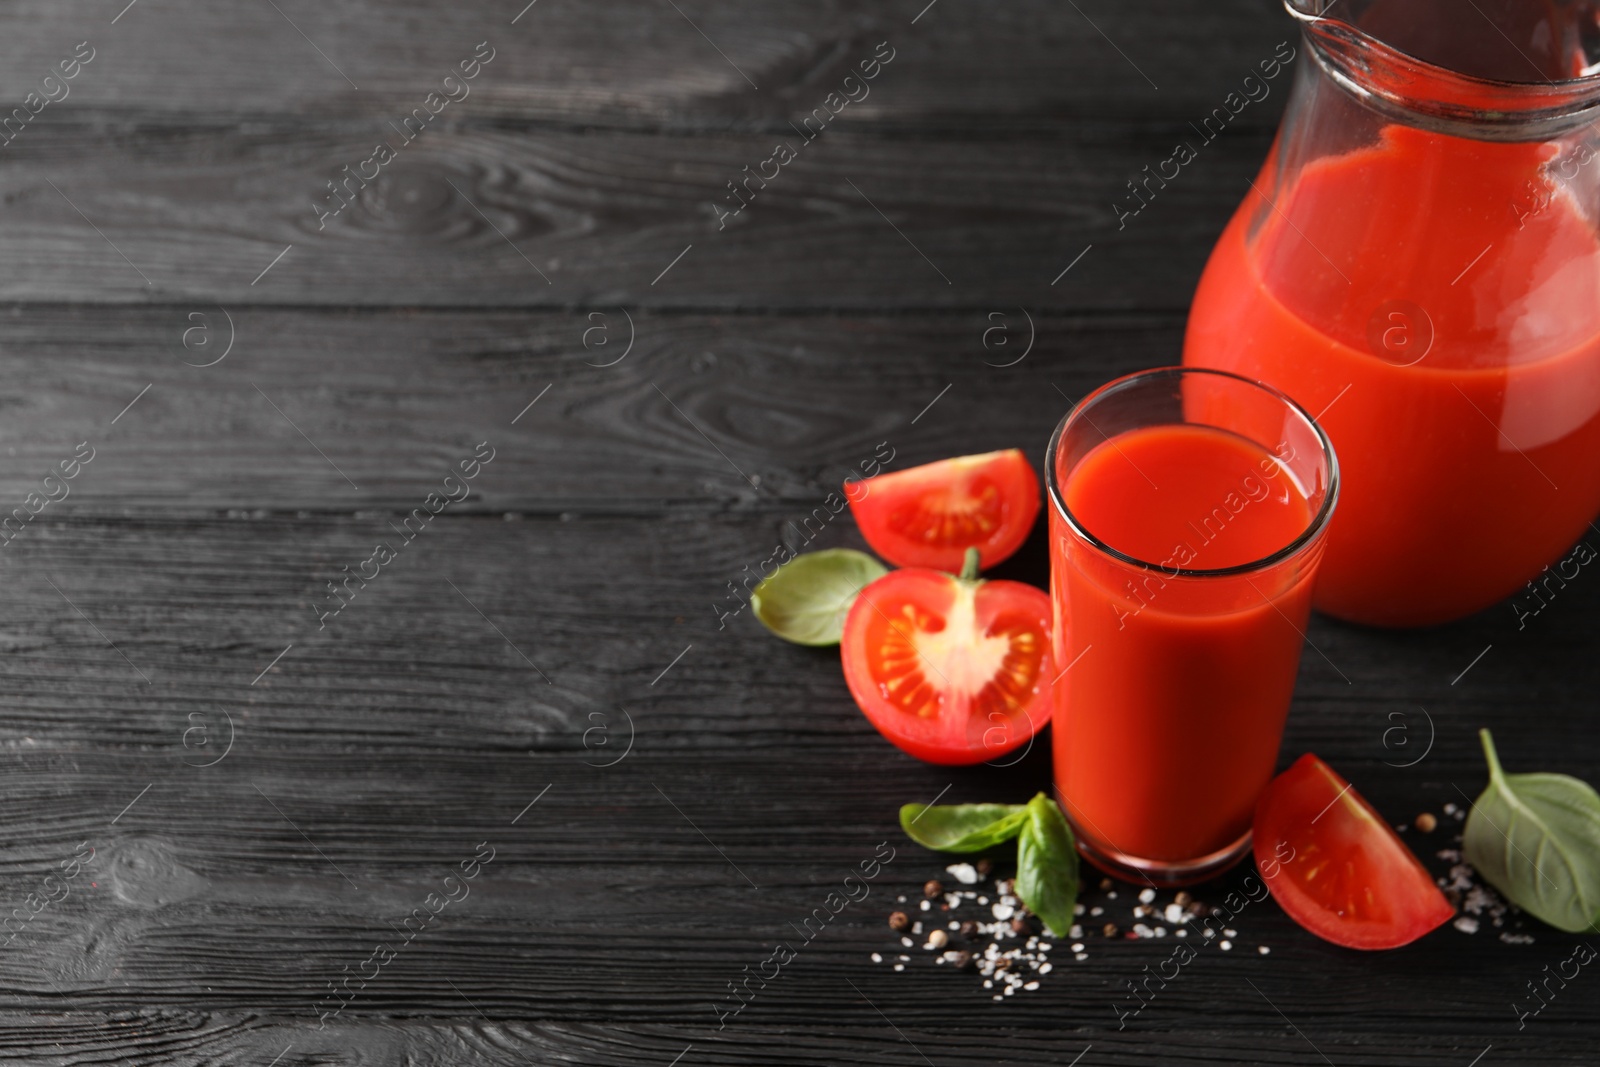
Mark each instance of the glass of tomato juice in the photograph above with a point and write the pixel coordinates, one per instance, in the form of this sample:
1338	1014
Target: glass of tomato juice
1189	509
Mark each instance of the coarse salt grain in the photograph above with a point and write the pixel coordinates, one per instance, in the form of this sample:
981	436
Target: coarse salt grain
1096	910
1466	924
916	928
1004	911
899	966
965	873
1230	933
1077	947
1045	968
877	957
1080	956
983	900
1045	946
1146	895
1111	895
954	925
1263	949
1225	945
926	905
1031	985
905	942
1210	932
1174	914
1183	931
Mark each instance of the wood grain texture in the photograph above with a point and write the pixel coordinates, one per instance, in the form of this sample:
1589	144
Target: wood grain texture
396	398
410	729
547	218
640	63
269	790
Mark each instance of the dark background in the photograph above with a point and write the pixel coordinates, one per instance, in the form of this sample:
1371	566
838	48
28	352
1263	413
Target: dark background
170	604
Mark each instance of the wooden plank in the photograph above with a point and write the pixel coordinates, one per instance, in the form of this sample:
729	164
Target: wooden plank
546	218
244	1040
395	399
201	607
641	64
412	728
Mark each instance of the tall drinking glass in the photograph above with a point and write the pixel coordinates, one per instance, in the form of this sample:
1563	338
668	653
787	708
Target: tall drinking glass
1188	514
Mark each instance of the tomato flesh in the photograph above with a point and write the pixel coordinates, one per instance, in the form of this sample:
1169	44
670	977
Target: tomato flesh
929	516
950	670
1336	867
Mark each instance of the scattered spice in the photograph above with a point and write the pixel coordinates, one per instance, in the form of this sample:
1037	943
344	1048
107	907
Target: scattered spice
965	873
933	889
1426	822
899	921
1004	945
1478	901
985	866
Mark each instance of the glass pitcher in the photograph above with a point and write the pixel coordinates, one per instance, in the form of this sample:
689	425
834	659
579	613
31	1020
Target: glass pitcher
1418	264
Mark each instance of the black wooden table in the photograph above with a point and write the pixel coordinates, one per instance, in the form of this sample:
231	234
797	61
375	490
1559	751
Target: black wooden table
517	790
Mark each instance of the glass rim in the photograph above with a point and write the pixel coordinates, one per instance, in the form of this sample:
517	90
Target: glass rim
1425	93
1314	528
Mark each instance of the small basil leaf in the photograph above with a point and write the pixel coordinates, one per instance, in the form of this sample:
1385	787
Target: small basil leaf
962	827
1536	838
809	596
1047	865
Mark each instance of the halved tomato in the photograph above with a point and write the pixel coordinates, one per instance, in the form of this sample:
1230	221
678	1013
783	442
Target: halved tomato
929	516
951	669
1336	867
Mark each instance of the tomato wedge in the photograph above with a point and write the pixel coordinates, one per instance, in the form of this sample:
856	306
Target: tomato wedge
1336	867
951	669
929	516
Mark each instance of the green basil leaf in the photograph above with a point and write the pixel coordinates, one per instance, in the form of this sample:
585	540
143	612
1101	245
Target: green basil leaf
807	599
1536	838
1047	865
962	827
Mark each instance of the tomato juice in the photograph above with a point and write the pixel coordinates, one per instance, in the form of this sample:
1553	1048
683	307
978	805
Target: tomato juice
1437	301
1182	562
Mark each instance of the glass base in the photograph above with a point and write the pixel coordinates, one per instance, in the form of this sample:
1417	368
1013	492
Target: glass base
1164	873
